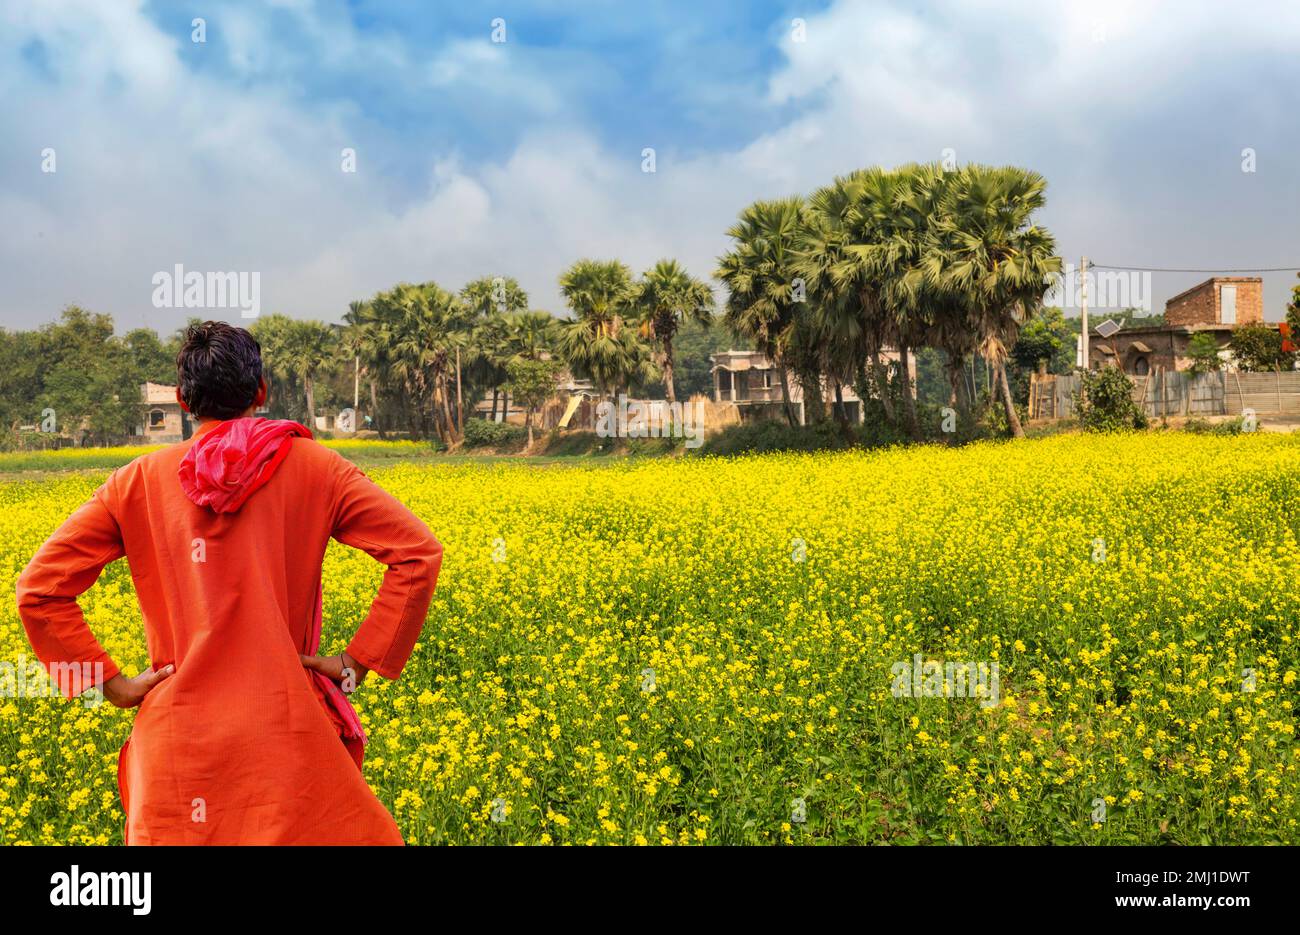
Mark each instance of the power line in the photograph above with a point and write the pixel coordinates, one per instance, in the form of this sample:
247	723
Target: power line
1165	269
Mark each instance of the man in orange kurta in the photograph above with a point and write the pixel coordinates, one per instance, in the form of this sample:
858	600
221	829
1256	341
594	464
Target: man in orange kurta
234	741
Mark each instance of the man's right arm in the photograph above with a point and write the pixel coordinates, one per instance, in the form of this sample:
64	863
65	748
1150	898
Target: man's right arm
369	518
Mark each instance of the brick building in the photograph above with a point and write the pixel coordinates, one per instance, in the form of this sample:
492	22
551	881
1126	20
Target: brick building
1215	306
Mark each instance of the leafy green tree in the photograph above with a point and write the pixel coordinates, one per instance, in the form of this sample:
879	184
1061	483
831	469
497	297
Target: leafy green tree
532	383
1104	402
21	366
693	346
1259	348
153	362
1203	349
88	377
1046	338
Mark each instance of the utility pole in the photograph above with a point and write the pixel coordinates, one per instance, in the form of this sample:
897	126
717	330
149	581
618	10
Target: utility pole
1083	303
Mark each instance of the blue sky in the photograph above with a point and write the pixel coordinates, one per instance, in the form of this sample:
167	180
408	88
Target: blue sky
477	157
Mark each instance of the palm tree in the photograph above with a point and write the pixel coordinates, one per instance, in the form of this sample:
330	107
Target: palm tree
426	327
995	263
668	295
490	300
486	354
847	305
904	270
531	334
489	295
763	299
270	332
308	345
595	344
365	338
861	255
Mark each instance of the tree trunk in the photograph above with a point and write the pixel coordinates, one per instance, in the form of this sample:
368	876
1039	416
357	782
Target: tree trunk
413	422
785	395
460	405
374	409
441	420
496	393
311	401
840	415
813	404
881	381
528	423
669	390
449	414
909	404
957	381
1013	420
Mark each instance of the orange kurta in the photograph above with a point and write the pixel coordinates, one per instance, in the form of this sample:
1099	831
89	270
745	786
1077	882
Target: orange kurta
236	747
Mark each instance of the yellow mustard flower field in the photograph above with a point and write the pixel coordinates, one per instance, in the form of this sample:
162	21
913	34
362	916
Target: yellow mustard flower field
783	649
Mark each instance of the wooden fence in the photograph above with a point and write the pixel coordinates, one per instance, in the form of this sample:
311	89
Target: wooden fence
1165	393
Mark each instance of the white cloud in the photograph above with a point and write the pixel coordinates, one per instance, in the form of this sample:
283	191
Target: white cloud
160	163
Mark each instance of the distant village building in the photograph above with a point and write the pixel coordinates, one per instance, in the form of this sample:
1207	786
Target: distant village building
753	383
572	406
1213	307
162	420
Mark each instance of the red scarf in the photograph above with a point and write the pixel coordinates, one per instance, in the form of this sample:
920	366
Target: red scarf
228	464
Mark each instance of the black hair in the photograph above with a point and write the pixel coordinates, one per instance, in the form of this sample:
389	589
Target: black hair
218	370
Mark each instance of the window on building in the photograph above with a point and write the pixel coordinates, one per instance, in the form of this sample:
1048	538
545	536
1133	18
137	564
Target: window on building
157	419
1141	366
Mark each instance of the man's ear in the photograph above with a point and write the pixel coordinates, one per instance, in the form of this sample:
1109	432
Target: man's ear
181	401
260	400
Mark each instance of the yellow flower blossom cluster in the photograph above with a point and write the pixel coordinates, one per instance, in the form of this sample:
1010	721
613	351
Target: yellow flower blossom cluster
696	650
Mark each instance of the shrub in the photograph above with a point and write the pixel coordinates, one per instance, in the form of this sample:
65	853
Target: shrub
772	435
1205	427
1204	352
1104	402
485	433
1259	348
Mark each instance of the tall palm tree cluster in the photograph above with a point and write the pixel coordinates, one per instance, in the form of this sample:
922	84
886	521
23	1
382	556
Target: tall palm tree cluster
424	356
918	256
838	289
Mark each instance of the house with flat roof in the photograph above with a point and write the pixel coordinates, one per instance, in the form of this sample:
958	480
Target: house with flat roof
1213	307
162	420
753	383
